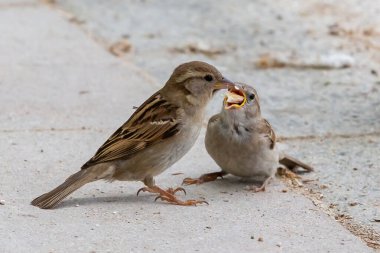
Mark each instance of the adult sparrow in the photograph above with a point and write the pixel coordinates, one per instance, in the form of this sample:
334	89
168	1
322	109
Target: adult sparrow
242	142
158	134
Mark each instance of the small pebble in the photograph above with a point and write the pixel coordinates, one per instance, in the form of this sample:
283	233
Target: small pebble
260	239
279	245
76	205
252	237
353	203
2	202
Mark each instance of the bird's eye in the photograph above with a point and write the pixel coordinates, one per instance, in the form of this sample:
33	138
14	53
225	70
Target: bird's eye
251	96
208	78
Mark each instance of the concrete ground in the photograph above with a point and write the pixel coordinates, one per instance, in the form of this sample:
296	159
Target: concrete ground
63	92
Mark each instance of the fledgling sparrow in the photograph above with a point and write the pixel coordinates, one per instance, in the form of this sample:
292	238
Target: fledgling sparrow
242	142
158	134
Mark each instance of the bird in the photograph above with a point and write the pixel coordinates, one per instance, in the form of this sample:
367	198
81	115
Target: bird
157	135
242	142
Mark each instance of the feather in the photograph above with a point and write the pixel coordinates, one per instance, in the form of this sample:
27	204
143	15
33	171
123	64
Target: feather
151	123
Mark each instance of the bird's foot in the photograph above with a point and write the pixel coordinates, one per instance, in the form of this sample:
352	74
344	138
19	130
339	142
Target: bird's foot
173	200
261	188
169	197
170	190
204	178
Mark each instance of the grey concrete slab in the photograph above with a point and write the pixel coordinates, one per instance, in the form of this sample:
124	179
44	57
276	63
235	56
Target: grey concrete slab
17	3
105	217
347	175
49	79
297	101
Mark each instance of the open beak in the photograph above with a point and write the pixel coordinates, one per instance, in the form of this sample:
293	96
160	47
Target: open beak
235	98
223	84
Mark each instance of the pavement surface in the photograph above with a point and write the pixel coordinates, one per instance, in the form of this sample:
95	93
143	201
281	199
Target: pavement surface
71	72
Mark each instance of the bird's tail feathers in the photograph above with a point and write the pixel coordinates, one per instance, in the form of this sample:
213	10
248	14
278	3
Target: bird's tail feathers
54	197
291	163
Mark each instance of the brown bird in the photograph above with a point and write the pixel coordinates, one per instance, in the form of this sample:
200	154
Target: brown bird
158	134
242	142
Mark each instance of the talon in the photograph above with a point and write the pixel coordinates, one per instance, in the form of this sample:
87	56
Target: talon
180	189
163	198
168	196
173	191
203	202
140	190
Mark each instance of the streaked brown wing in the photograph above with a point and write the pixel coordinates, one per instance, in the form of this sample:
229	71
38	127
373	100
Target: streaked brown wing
270	134
152	122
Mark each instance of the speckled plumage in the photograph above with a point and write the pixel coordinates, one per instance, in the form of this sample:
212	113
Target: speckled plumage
157	135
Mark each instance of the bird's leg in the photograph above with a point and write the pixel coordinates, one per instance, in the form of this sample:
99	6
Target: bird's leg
262	187
168	195
204	178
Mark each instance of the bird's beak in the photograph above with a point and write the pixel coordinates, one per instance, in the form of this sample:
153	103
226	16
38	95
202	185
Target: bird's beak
223	84
235	98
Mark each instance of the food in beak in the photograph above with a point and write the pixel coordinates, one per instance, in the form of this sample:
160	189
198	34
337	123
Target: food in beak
234	98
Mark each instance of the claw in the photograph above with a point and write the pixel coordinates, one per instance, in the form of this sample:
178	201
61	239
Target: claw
144	189
168	196
190	202
173	191
160	197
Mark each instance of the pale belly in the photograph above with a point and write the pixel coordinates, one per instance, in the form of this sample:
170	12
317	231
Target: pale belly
241	156
156	159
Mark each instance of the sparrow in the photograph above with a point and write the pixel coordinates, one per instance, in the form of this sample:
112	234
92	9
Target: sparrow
157	135
242	142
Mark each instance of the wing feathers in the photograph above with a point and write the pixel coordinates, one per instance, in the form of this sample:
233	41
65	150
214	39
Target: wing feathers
152	122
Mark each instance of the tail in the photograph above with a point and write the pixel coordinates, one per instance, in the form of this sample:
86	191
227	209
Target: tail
51	199
291	163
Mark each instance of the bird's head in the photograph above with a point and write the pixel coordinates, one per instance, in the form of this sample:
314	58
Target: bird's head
196	82
241	100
